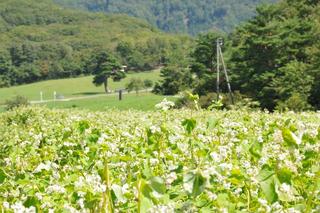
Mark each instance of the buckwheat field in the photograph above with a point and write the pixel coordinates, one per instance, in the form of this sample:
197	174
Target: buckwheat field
163	161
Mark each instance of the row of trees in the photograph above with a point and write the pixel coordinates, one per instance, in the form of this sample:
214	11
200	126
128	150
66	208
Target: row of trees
27	62
274	58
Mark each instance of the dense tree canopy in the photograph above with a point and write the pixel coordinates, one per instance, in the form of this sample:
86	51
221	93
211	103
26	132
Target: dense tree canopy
188	16
40	40
275	55
105	66
200	74
175	79
273	58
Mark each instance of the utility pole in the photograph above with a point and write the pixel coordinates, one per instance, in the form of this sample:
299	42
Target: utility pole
220	58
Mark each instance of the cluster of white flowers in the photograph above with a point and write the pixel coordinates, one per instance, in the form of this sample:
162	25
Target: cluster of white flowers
162	209
56	189
170	178
43	166
61	164
92	181
165	105
18	207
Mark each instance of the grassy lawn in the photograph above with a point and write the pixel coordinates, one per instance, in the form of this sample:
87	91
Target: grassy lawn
83	87
72	87
142	101
2	109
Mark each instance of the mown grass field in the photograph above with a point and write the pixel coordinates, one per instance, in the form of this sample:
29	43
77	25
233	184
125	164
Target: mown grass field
143	101
73	87
92	97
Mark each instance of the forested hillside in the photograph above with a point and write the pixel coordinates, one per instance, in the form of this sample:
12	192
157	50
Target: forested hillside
188	16
40	40
273	59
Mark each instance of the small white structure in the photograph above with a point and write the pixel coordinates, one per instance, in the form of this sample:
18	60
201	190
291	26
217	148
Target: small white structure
124	68
41	96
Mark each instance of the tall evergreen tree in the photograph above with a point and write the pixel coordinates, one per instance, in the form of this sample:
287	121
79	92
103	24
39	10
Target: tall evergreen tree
271	57
105	66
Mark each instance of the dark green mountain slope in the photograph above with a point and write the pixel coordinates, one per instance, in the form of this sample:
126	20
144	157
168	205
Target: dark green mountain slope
40	40
187	16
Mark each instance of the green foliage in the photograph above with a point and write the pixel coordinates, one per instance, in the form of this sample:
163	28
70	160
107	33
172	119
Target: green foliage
189	125
147	83
203	66
135	84
70	87
274	55
105	66
267	183
274	60
289	138
174	80
187	16
194	183
42	41
134	161
18	101
155	52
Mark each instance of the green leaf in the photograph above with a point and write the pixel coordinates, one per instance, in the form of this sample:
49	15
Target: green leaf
266	179
147	172
269	190
83	125
307	138
223	201
284	175
117	190
95	135
3	176
194	183
31	201
212	123
206	210
146	205
256	149
151	138
288	138
265	173
158	185
189	125
146	190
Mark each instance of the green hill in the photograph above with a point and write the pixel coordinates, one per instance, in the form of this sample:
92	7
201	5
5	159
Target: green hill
40	40
187	16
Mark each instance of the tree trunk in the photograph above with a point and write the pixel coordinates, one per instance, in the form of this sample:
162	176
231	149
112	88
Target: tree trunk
106	86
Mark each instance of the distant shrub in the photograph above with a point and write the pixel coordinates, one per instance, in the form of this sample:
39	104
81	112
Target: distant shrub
148	83
17	101
135	84
296	102
209	101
